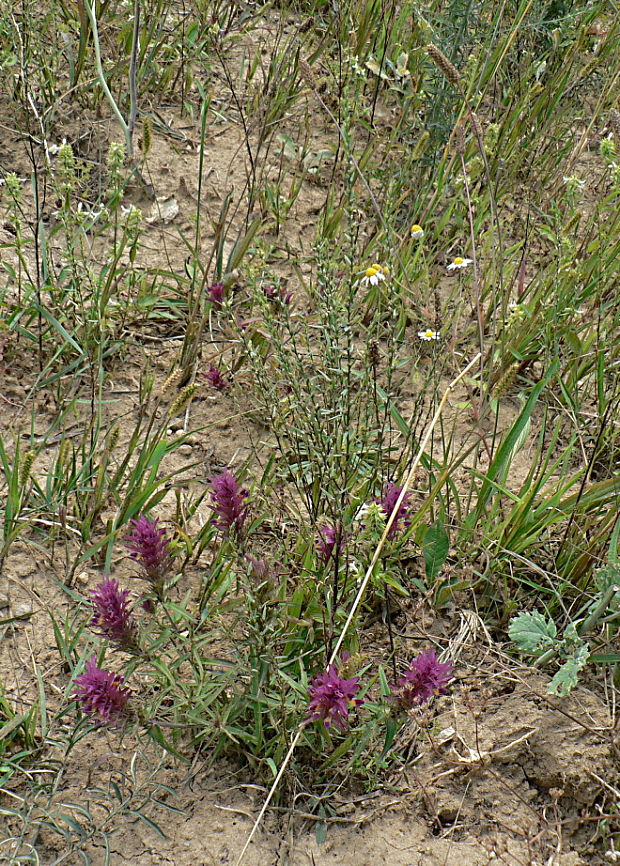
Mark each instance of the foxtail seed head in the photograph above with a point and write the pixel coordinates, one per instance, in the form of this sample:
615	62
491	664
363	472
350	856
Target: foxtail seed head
307	74
506	381
113	437
26	467
183	399
147	134
441	61
171	382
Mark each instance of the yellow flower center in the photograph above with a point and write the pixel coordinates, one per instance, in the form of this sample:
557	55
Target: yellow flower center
377	268
415	229
371	272
429	334
458	260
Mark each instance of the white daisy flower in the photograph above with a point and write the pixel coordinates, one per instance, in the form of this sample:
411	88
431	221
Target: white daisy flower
459	263
416	231
428	335
374	275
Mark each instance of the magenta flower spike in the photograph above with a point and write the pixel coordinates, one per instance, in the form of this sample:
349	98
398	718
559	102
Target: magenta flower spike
331	697
150	547
425	678
112	615
329	542
259	568
216	295
388	502
216	379
101	693
275	293
229	502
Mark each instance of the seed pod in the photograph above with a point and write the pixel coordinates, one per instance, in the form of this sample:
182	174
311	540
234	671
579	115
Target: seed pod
420	146
475	125
458	137
63	451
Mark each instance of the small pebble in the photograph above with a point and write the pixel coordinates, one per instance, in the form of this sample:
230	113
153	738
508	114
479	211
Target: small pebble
185	450
22	609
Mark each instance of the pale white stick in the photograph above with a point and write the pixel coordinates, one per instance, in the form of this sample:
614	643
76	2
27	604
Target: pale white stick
360	592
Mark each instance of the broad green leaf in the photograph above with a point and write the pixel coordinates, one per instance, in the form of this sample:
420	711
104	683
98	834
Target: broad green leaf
567	677
532	632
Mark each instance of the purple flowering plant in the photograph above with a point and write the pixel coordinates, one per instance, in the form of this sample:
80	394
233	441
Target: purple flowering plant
229	502
331	697
112	615
102	693
330	541
278	293
215	293
216	378
388	502
150	546
425	678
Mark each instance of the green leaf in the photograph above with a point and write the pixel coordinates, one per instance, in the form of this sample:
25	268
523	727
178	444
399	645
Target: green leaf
531	632
148	821
435	546
376	69
64	334
11	725
320	832
568	675
242	244
501	462
605	658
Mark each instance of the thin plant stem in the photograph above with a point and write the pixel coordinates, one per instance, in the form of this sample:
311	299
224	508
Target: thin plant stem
90	11
133	72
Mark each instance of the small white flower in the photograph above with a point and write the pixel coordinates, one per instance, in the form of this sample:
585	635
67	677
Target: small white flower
53	149
459	263
362	511
428	335
374	275
573	180
355	66
90	213
416	231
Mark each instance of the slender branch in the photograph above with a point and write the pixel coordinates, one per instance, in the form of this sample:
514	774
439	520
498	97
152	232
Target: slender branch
133	69
90	11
